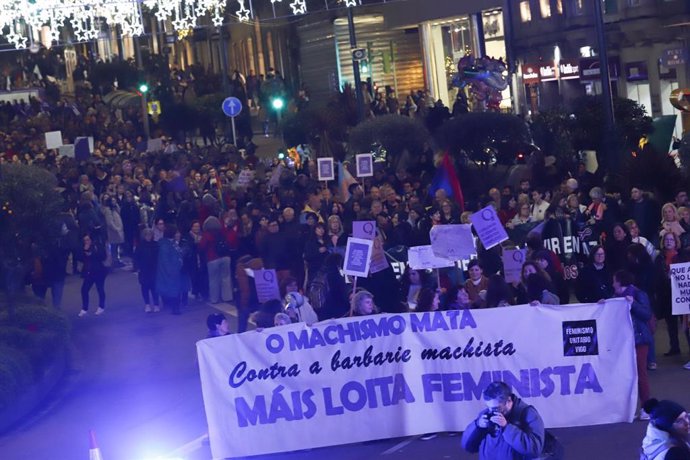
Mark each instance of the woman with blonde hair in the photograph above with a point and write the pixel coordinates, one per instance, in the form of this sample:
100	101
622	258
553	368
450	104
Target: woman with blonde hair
669	221
336	234
362	304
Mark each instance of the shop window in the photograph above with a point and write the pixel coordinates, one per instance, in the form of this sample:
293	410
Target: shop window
545	8
578	7
525	12
611	6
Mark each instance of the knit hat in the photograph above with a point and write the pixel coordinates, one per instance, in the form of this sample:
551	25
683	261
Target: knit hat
663	413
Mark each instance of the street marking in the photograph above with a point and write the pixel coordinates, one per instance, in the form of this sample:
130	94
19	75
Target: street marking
400	445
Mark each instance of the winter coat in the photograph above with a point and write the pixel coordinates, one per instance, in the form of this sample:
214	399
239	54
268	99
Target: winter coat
641	312
169	269
113	222
594	285
146	261
92	260
658	445
522	439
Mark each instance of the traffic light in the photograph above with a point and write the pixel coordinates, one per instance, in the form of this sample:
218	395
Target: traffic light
364	65
278	103
143	88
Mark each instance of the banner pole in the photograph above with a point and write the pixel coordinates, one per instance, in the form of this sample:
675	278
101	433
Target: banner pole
354	291
438	279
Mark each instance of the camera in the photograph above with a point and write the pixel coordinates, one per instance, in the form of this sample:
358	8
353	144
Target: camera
492	427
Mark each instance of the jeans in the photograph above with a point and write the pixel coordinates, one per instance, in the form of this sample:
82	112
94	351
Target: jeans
86	286
672	324
219	280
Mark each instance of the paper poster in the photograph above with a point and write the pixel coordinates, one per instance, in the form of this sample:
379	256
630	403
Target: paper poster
66	150
325	169
266	282
680	288
365	164
489	227
365	229
154	145
453	242
245	178
423	257
513	259
358	257
53	139
379	262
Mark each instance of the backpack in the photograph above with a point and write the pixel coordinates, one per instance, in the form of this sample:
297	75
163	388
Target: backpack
222	246
318	290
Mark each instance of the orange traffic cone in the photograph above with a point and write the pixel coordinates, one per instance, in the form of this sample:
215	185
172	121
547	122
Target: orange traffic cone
94	451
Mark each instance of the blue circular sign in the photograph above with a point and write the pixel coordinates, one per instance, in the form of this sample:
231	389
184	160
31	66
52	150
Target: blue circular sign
232	106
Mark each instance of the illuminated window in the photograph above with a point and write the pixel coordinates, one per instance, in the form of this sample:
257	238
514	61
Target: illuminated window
525	13
545	7
559	6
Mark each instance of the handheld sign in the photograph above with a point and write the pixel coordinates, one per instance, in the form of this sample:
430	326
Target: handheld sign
364	229
680	288
53	139
452	242
365	164
358	257
513	259
325	169
266	283
379	262
489	227
423	257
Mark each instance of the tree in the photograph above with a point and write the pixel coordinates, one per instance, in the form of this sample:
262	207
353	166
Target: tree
552	132
484	138
29	210
398	135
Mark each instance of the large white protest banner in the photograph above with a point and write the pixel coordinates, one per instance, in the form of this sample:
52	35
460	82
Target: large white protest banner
386	376
453	242
680	288
488	226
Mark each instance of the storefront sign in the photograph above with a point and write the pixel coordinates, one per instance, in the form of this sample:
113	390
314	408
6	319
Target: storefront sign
674	56
547	72
636	71
530	73
570	69
590	70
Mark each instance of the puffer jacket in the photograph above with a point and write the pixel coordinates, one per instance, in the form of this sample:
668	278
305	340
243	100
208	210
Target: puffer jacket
657	444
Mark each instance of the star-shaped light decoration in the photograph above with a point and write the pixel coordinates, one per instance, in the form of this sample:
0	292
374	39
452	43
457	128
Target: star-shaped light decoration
350	3
299	7
217	19
243	13
18	40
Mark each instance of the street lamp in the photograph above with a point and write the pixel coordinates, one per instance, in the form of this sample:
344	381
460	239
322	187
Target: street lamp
143	90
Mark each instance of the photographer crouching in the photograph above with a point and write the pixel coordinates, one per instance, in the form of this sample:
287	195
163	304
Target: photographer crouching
507	429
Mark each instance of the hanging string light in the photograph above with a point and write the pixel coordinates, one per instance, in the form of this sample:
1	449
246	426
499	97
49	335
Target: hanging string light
299	7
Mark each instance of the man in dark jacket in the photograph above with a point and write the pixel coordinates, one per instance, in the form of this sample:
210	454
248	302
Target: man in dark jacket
508	429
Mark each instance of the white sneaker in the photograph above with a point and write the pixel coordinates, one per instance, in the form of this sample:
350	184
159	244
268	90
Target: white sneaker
643	415
687	366
147	308
100	311
156	309
83	313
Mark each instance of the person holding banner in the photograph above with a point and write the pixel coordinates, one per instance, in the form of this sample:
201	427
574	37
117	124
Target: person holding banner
507	429
670	246
641	312
362	304
477	284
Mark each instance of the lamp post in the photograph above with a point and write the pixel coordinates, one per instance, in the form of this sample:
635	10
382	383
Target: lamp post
606	92
355	65
143	90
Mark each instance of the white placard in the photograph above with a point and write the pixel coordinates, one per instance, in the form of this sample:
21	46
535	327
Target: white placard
325	169
680	288
358	257
53	139
452	242
488	226
365	164
266	283
423	257
66	150
513	259
245	178
154	145
295	387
